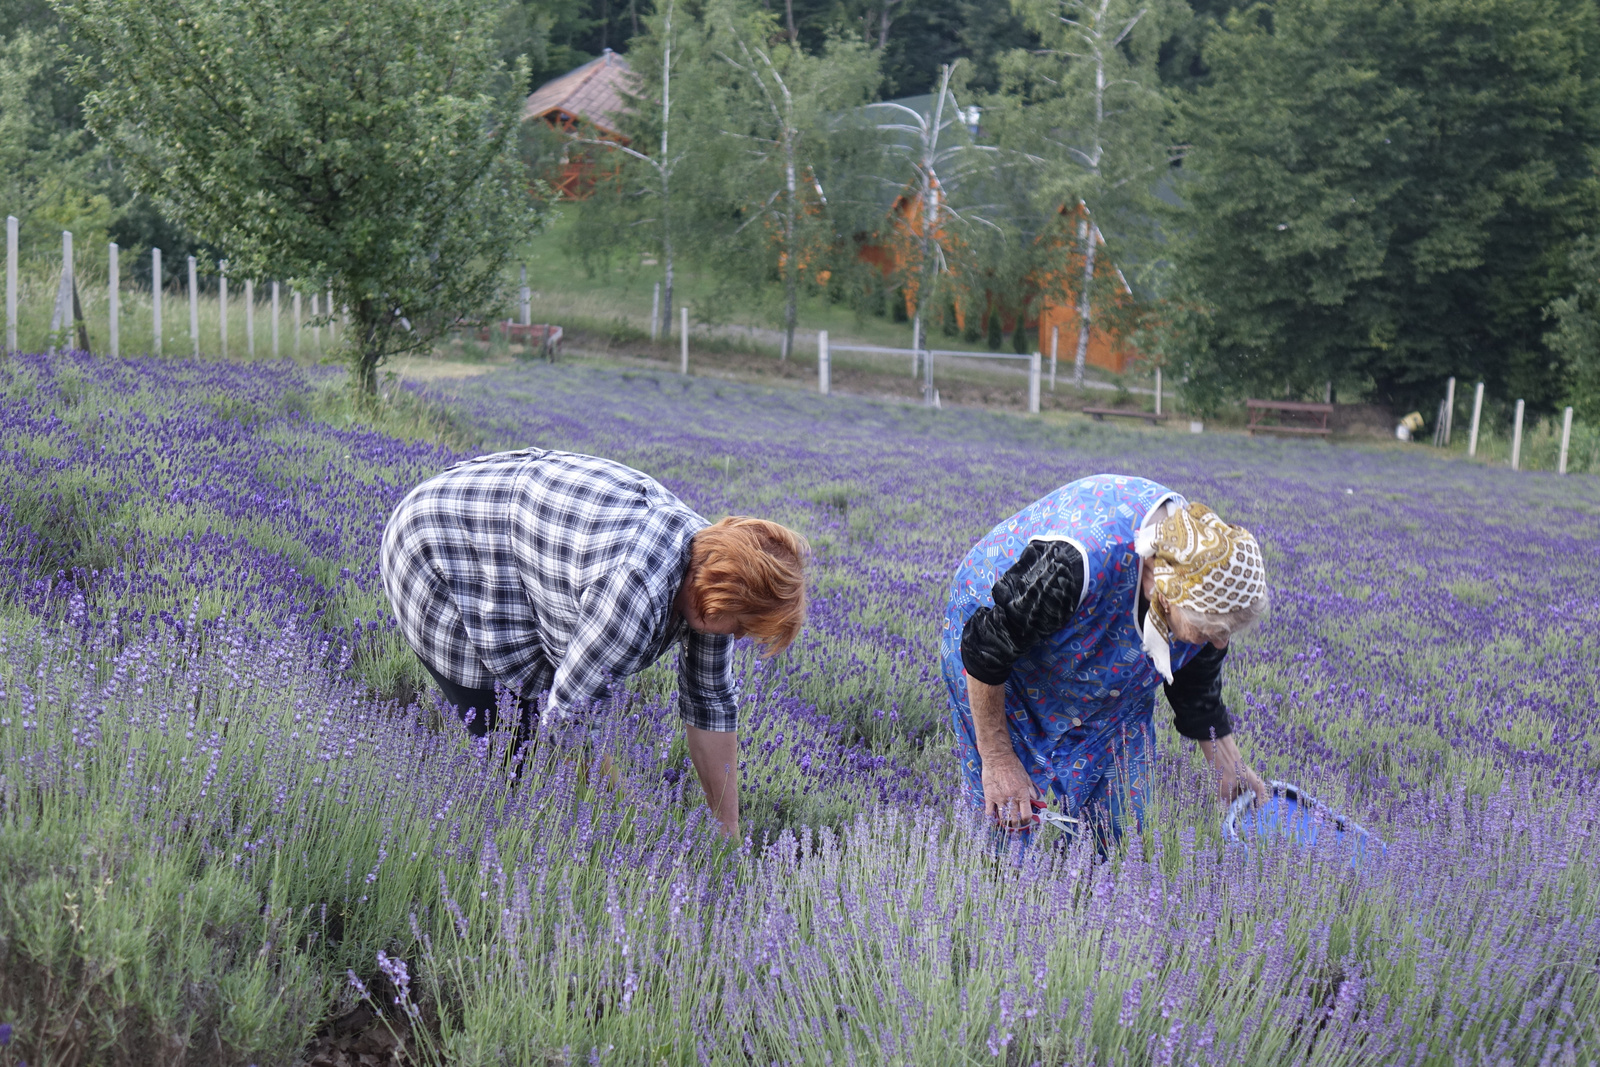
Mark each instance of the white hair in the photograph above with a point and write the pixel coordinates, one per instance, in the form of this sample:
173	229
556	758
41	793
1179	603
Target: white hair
1228	624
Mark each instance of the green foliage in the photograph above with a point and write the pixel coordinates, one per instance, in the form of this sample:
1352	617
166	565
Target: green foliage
1385	194
48	167
1576	338
788	173
368	145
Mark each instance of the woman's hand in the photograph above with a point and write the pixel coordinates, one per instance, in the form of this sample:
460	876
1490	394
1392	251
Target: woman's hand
1231	773
716	761
1007	792
1007	789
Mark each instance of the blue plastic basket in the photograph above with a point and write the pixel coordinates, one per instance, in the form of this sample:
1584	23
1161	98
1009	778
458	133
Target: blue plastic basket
1296	815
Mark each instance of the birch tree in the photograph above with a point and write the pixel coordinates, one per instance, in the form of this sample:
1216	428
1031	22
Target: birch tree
781	106
649	194
1090	102
946	167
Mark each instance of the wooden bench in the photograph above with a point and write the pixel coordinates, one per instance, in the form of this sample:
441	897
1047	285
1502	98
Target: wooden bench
543	336
1099	414
1312	418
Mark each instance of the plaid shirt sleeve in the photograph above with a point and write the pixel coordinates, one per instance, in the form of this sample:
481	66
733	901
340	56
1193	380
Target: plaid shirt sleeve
708	697
615	627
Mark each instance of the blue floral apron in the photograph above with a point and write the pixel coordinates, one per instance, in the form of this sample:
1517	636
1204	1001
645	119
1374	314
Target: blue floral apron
1079	704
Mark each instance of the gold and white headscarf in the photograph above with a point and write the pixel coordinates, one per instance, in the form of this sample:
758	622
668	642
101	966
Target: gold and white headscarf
1201	563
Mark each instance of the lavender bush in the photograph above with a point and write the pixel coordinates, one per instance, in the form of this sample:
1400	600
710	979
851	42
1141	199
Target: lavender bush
219	827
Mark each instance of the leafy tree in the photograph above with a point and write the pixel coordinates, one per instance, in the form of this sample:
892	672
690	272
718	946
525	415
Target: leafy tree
367	145
1576	337
1089	106
655	203
782	145
1383	194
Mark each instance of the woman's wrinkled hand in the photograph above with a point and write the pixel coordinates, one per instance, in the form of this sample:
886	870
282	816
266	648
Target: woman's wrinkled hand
1231	774
1007	792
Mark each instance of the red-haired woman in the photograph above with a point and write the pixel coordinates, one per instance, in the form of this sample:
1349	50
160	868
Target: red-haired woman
556	573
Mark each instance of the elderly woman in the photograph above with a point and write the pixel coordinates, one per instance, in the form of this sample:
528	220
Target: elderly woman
1063	620
556	574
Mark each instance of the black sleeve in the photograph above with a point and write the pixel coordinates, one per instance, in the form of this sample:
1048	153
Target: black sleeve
1196	697
1032	600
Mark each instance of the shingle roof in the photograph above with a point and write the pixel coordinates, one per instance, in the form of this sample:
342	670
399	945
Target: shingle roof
592	92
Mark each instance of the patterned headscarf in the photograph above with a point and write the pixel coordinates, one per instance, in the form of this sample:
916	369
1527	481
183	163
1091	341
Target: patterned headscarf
1201	563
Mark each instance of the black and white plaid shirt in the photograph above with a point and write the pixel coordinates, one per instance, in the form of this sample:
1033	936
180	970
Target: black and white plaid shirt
551	571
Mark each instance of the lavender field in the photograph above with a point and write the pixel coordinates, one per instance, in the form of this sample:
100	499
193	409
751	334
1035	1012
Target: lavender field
228	811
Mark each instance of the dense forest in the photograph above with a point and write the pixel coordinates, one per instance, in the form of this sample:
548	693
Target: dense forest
1362	195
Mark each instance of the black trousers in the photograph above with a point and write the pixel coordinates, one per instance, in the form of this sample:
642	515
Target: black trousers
478	707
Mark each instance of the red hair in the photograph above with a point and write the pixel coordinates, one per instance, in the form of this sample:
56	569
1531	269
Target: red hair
755	571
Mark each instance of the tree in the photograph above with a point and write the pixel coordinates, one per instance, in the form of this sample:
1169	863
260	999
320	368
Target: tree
647	203
370	146
1576	337
1383	194
946	167
781	136
1089	105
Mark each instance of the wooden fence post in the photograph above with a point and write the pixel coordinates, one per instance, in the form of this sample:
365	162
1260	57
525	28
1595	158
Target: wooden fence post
1449	409
1477	412
11	283
684	341
274	320
333	338
222	304
1516	440
655	315
824	368
294	302
66	297
527	299
194	307
916	344
1033	384
1158	390
1566	439
316	326
250	317
114	301
155	300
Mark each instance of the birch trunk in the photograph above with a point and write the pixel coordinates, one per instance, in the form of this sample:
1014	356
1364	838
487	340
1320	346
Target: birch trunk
1085	305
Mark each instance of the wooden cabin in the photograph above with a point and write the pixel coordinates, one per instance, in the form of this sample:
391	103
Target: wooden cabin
584	102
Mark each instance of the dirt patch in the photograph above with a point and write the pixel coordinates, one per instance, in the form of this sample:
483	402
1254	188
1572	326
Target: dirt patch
360	1039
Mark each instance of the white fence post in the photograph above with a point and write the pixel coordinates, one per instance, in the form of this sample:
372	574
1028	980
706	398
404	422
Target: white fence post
294	303
194	307
1566	439
222	304
655	315
316	326
824	367
250	317
155	300
1449	409
333	338
527	299
1055	341
1477	412
916	345
1516	440
11	283
114	300
62	317
1158	390
1034	362
684	341
274	320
